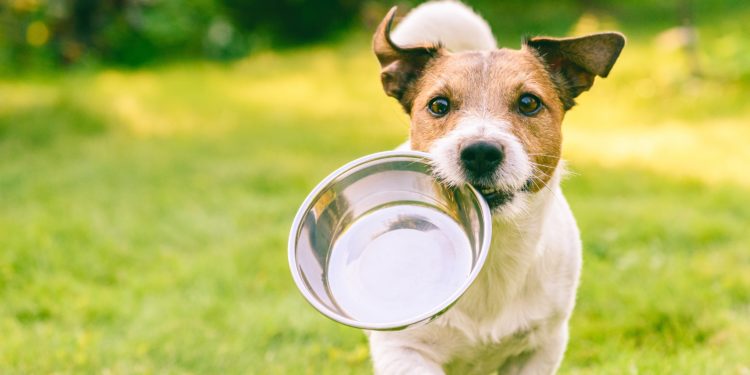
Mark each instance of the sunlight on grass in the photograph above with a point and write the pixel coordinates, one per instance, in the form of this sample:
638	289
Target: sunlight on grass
19	96
318	85
613	125
315	84
148	103
713	154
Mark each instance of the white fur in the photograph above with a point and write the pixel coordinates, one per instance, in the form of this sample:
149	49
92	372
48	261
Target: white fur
514	318
449	22
513	173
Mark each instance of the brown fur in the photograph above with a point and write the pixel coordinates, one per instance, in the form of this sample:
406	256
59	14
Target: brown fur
491	82
574	62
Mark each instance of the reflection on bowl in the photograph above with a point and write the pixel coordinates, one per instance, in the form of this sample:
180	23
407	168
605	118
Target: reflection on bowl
381	244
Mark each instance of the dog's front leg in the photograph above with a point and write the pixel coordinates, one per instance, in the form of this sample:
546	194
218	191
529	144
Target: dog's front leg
392	356
544	360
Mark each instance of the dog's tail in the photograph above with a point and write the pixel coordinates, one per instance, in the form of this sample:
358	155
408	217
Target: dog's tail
452	24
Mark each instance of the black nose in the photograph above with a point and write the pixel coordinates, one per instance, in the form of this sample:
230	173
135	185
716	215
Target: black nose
481	158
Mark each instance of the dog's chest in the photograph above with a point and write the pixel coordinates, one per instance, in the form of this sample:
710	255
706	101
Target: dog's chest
500	337
480	345
488	357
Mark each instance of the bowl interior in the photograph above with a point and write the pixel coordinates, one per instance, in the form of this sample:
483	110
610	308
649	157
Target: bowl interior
380	244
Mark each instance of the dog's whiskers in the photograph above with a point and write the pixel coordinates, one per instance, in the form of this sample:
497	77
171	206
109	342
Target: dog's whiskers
545	155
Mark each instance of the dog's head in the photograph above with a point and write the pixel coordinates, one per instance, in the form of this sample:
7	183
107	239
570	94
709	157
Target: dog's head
493	118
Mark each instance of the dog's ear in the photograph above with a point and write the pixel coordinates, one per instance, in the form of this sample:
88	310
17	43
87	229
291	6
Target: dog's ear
400	66
574	62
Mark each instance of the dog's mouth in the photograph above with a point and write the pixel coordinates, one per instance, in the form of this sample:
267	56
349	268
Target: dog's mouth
497	197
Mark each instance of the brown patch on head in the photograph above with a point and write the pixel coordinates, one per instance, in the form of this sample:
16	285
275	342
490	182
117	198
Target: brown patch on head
540	133
488	85
400	66
449	76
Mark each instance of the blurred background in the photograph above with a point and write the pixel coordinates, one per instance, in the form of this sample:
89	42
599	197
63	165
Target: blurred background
154	152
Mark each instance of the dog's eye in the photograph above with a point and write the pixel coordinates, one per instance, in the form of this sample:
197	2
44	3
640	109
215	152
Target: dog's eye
529	104
439	106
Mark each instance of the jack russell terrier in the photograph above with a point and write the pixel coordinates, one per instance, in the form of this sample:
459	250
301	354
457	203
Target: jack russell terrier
492	118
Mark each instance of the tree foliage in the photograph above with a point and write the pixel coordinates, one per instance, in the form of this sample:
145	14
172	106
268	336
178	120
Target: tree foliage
133	32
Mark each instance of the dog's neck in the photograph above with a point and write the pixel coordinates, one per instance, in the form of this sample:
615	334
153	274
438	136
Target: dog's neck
515	248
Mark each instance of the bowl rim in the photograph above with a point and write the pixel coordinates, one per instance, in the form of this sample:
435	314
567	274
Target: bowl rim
315	193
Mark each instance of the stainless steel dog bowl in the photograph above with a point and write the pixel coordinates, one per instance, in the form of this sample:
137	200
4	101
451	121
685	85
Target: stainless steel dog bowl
380	244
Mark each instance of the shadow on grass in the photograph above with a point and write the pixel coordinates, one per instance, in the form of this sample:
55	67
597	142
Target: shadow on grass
40	124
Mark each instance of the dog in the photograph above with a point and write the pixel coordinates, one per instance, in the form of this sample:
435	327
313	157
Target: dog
492	118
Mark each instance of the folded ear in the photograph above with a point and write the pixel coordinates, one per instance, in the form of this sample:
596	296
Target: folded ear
400	66
574	62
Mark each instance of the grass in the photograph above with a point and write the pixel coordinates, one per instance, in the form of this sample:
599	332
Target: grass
145	213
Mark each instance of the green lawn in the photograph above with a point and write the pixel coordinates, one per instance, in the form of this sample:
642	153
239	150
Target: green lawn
144	214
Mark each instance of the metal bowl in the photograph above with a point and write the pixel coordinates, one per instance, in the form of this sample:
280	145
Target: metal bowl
380	244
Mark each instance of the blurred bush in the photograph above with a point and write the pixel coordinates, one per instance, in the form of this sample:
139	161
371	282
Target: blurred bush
293	21
49	33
